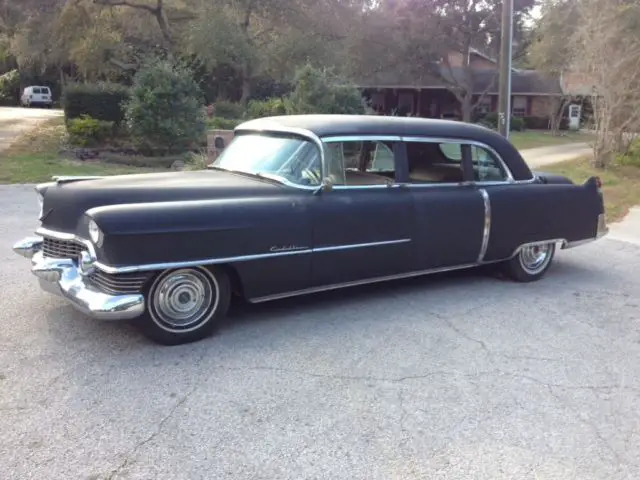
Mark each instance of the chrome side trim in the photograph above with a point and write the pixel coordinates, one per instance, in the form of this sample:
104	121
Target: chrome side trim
487	224
210	261
356	283
61	179
195	263
360	245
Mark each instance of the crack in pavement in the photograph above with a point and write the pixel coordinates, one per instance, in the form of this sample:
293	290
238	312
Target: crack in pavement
130	455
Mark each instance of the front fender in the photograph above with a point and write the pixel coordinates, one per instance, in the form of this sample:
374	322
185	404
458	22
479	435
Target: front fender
187	231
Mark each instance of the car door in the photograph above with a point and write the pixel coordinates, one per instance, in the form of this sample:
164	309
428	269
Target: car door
362	228
450	212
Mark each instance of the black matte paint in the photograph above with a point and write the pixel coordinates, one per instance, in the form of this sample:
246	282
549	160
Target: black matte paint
212	215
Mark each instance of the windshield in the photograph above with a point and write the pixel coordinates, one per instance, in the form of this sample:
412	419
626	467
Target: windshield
285	158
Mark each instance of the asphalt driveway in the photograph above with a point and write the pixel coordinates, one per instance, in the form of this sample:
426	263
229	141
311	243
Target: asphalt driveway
459	376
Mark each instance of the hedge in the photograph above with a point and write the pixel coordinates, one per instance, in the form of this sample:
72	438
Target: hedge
104	101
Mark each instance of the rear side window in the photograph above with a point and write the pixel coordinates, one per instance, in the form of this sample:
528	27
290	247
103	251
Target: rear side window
486	167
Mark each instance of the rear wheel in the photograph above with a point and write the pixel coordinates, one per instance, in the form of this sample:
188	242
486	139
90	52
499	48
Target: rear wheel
531	262
185	305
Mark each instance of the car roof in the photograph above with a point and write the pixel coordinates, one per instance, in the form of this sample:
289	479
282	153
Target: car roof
331	125
324	125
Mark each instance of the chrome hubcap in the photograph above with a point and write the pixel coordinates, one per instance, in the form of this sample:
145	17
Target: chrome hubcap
184	299
535	258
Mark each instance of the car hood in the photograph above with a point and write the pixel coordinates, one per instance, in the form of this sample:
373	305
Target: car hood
65	203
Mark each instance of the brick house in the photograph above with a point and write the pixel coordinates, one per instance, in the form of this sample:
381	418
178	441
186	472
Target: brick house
533	92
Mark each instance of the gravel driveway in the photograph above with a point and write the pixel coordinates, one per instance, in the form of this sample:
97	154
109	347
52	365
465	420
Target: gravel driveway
16	121
458	376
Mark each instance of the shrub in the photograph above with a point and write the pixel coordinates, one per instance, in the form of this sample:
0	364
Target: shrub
227	109
320	91
103	101
536	123
517	124
223	123
9	87
490	120
632	157
266	108
165	110
87	132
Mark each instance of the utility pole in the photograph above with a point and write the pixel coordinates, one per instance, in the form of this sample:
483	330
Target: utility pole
504	95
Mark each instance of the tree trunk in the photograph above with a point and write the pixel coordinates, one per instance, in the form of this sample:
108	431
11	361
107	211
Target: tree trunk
467	110
246	84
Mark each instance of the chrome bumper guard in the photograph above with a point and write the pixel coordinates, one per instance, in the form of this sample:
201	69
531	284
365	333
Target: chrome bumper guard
65	278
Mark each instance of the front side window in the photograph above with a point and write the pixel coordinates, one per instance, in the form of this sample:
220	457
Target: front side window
360	162
289	158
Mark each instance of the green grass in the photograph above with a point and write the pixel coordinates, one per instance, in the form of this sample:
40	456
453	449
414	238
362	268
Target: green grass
621	183
540	138
36	157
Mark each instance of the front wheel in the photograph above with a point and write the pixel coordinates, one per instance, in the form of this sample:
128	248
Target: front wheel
530	263
185	305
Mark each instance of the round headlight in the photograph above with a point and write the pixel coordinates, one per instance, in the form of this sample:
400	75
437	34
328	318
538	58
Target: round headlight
94	232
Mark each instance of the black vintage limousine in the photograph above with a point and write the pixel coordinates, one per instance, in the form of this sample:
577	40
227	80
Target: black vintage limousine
301	204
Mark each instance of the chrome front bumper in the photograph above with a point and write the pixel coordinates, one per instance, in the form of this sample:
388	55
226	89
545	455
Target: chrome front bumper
65	278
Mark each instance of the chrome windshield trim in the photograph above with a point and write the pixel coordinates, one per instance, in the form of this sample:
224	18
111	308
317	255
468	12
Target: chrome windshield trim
243	258
334	248
487	224
308	134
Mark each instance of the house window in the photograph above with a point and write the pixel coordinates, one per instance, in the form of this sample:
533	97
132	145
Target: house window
519	108
484	105
360	162
405	104
377	101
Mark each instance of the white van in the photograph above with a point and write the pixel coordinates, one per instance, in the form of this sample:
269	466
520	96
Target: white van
35	95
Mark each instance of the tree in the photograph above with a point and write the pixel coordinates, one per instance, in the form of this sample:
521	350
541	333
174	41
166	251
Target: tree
551	50
424	33
321	91
272	37
165	109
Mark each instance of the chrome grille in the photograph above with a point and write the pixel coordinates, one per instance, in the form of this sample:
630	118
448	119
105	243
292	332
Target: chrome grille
54	248
119	283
